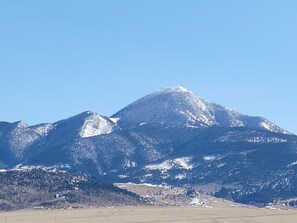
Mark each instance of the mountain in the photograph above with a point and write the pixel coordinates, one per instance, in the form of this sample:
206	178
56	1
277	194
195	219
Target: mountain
240	164
178	106
170	137
86	124
16	137
19	141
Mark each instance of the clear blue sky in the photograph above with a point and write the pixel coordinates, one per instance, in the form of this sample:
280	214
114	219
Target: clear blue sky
59	58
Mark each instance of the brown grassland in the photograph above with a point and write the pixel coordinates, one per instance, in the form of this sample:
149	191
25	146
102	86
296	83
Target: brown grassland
151	215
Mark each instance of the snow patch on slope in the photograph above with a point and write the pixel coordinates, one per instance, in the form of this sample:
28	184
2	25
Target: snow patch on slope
293	164
180	176
272	127
178	163
196	202
95	125
43	129
209	158
114	120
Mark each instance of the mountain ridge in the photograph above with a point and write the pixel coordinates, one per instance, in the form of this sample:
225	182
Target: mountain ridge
206	115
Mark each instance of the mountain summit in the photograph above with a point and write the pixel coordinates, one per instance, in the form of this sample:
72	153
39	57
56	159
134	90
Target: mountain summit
177	106
87	124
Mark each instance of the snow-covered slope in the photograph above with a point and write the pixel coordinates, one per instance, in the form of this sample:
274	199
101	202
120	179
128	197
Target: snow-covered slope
88	124
16	137
178	106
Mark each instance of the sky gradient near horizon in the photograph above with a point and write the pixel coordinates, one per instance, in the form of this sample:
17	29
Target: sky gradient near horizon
60	58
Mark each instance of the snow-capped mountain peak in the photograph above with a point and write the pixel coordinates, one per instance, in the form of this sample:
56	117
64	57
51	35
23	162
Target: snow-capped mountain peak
95	125
170	106
21	124
88	124
177	106
175	89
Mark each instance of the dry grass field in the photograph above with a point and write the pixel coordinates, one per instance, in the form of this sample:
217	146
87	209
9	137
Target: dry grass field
151	215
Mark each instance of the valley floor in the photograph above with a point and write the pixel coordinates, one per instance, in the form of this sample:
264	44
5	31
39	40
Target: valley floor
151	215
